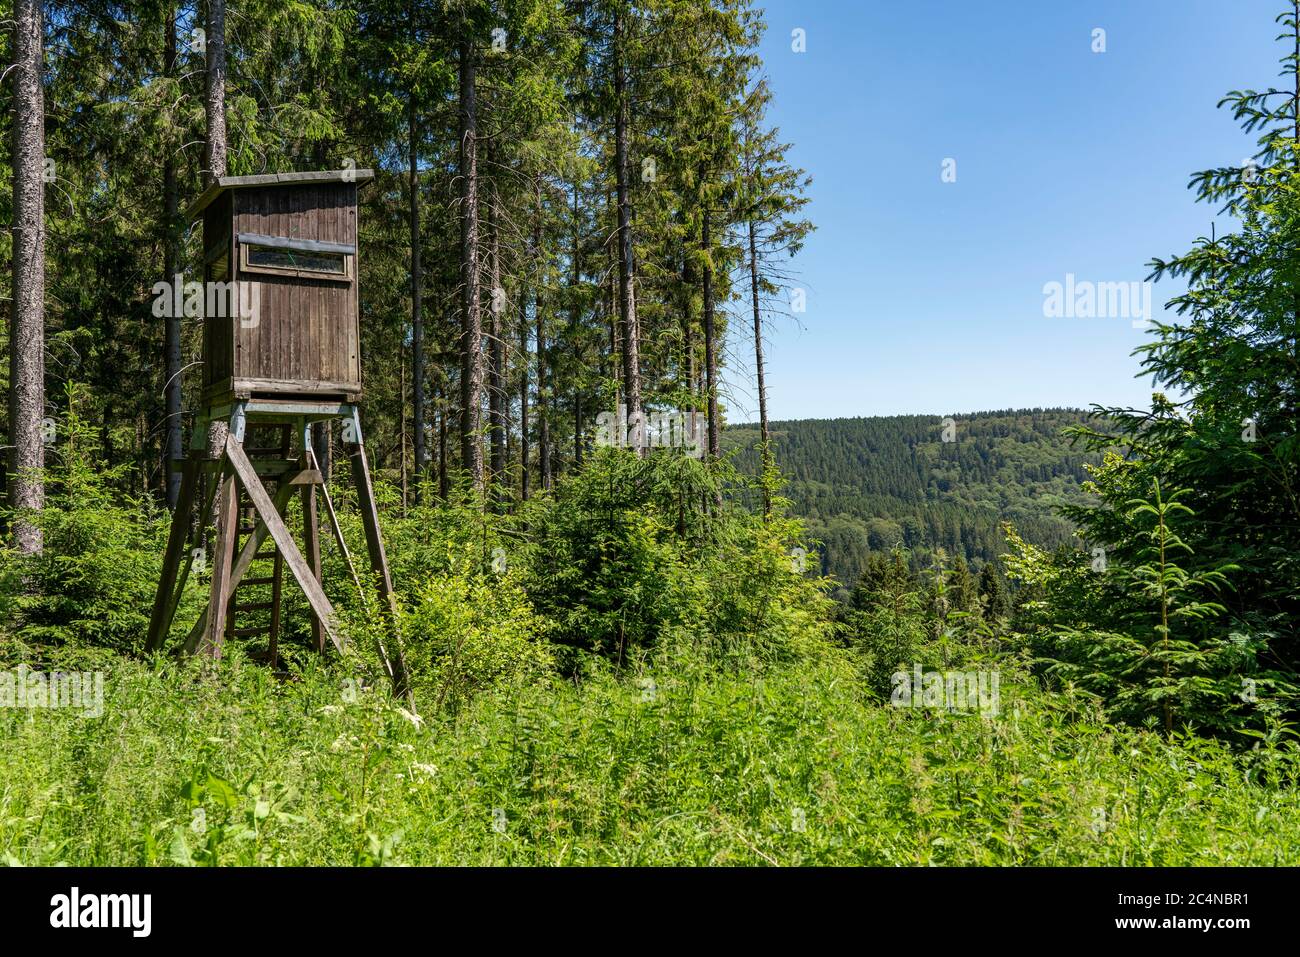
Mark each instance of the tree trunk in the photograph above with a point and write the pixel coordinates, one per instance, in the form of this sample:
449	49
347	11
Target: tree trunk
692	349
444	482
615	340
322	446
27	329
471	376
543	398
496	387
401	426
215	102
173	442
765	447
577	431
1295	334
417	316
710	346
524	449
215	162
626	263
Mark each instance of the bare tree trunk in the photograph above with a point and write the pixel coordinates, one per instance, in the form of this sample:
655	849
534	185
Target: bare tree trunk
577	431
27	329
692	348
1295	339
524	377
215	111
215	103
615	345
496	387
172	444
322	446
417	315
710	346
471	376
444	483
765	446
401	426
626	263
543	397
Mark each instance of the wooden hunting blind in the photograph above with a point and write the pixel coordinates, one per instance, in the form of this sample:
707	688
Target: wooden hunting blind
285	246
281	352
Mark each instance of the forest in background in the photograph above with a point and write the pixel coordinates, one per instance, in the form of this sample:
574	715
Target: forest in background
871	485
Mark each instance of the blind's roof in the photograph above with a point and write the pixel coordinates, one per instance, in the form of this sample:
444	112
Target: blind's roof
223	183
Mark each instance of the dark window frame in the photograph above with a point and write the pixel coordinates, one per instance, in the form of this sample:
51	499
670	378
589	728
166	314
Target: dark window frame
346	251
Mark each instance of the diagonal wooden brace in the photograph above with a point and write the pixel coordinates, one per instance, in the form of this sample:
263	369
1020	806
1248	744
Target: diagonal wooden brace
270	516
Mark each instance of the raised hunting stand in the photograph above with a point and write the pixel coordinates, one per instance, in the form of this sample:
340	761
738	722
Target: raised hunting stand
281	351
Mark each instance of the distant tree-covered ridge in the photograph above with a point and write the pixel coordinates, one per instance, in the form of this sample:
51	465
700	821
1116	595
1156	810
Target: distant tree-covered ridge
926	482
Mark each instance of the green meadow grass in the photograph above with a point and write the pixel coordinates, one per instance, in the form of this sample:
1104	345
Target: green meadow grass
799	767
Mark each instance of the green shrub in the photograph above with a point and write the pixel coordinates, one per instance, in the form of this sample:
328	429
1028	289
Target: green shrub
467	632
94	581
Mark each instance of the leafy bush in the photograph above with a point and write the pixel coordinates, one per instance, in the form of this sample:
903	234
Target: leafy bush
636	553
94	582
467	632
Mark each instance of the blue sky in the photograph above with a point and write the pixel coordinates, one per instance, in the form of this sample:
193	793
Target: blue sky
926	296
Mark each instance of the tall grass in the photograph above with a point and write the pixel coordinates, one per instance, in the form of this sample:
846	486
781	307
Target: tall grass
678	766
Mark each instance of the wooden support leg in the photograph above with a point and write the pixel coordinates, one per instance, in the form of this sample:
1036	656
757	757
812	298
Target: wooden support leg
164	609
242	511
379	562
192	641
273	639
223	552
311	542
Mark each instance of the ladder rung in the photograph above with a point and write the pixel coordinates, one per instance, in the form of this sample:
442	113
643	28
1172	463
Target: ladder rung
264	580
271	554
248	632
254	606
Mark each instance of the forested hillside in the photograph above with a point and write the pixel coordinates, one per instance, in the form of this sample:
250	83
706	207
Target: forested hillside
867	485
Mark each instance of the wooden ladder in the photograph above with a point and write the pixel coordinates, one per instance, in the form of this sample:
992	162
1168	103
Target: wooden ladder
247	595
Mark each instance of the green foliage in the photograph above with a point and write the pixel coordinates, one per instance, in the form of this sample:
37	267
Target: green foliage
651	763
994	602
467	631
750	602
1146	634
95	581
705	715
896	619
1188	610
634	553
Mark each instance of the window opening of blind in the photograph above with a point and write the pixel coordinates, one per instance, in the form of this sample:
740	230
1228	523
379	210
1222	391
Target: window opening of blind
295	257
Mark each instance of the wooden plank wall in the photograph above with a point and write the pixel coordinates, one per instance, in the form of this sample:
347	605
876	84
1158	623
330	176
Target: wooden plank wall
307	328
218	342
